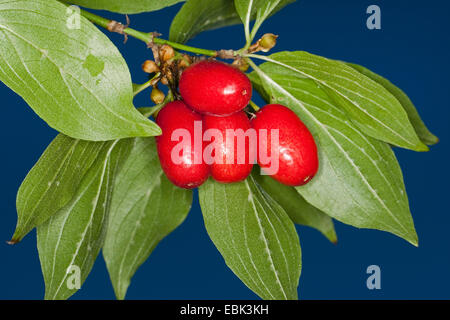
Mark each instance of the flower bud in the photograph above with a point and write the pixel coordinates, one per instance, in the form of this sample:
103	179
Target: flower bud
166	53
185	61
164	81
241	64
267	42
150	66
157	95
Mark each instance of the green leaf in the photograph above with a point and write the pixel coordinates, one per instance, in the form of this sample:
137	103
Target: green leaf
300	211
359	181
75	79
259	10
53	181
422	131
370	106
254	235
145	208
69	242
125	6
200	15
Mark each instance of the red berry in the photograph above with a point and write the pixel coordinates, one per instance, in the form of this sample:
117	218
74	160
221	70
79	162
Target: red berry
233	143
215	88
184	169
297	151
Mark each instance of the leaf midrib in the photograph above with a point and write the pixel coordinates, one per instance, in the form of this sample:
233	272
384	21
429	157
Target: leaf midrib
68	155
90	219
349	127
340	93
246	245
266	244
62	71
334	141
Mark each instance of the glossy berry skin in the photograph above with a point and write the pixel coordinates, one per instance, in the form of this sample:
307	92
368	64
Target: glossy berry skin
233	169
188	173
297	150
215	88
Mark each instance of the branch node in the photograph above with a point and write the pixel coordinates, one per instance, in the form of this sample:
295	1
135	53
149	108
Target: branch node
118	27
226	54
154	34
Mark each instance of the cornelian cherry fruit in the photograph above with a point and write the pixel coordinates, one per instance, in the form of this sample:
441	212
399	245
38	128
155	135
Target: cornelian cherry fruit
183	166
215	88
296	150
230	147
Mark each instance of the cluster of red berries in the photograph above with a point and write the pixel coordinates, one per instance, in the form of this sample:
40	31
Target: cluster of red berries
215	95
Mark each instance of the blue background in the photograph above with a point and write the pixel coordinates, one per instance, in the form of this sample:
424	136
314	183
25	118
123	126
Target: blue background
411	50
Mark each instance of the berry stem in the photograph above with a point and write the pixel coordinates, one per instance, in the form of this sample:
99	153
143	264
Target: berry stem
147	37
254	106
153	111
138	88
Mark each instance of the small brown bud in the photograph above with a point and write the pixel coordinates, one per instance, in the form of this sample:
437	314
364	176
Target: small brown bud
150	66
164	81
166	53
168	74
267	42
241	64
185	61
157	95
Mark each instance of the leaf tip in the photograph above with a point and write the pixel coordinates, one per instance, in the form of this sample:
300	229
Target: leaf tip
13	241
432	140
421	147
153	130
413	239
18	235
121	292
16	238
332	237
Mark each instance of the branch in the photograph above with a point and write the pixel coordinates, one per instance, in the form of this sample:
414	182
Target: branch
148	38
